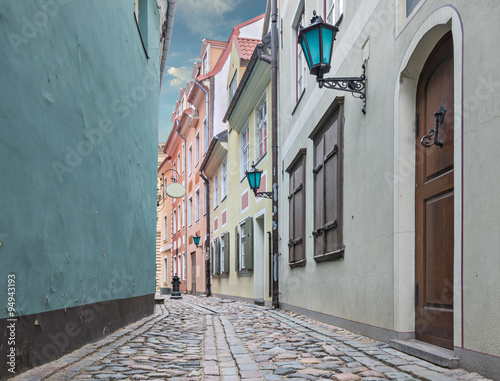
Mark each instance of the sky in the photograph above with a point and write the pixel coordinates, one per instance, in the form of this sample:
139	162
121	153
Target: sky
194	21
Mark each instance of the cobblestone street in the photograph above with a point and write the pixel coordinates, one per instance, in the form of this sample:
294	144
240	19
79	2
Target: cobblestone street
200	338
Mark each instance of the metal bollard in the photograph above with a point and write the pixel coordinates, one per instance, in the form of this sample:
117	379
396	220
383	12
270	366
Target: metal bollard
176	294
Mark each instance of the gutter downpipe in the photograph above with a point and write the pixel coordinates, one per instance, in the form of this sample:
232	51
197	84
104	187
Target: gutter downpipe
274	137
185	205
207	199
167	35
208	291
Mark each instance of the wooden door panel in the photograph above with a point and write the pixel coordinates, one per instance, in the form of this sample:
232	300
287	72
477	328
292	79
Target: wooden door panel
434	201
439	250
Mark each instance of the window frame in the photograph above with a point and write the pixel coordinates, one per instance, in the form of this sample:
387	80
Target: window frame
165	227
190	211
299	59
241	251
190	160
197	149
259	122
244	150
197	205
323	229
233	85
334	8
216	190
223	170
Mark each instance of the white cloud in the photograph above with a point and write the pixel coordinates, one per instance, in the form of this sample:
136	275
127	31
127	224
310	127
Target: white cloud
181	76
203	16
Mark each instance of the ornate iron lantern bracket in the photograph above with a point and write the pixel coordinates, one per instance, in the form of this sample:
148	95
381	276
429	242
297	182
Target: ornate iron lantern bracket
428	140
352	84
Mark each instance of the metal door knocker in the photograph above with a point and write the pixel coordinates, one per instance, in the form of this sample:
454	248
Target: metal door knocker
428	140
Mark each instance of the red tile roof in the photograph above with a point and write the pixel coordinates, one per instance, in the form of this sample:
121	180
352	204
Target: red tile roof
246	47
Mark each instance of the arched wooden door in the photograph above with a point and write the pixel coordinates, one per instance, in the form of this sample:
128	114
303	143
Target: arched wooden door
434	199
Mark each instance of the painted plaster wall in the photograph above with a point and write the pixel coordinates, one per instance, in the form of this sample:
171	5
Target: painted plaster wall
378	212
221	99
253	30
79	118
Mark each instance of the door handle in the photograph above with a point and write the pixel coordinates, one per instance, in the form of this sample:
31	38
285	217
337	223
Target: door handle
428	140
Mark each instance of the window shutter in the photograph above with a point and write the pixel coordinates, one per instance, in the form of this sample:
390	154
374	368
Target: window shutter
319	205
226	252
236	249
331	189
299	213
249	244
291	219
212	258
217	256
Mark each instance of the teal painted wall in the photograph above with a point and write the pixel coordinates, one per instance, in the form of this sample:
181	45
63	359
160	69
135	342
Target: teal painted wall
78	152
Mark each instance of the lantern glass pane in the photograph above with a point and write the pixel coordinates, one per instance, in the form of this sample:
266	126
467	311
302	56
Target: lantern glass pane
327	45
304	49
196	240
312	37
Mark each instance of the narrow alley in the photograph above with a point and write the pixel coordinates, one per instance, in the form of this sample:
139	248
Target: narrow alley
199	338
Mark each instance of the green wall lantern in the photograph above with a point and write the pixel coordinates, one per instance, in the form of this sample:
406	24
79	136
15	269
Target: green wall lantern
253	177
196	240
317	41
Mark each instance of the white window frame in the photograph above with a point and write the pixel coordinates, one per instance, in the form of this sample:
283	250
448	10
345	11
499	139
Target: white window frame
190	211
300	60
165	227
261	124
197	205
205	191
190	160
184	266
241	251
334	10
206	136
183	209
216	190
180	162
175	221
233	85
221	254
244	150
184	153
197	149
165	270
223	179
179	217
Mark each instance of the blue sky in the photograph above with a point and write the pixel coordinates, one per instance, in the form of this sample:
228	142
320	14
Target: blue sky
194	21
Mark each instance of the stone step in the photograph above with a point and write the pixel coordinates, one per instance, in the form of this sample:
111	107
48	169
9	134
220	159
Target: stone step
431	353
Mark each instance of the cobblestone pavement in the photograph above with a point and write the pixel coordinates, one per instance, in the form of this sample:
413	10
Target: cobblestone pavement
199	338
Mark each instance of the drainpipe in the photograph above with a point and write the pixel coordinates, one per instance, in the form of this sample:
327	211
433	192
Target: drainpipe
167	36
274	137
207	196
207	203
185	204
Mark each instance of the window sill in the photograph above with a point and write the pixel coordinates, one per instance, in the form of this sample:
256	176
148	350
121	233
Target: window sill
331	256
260	159
301	263
298	101
244	273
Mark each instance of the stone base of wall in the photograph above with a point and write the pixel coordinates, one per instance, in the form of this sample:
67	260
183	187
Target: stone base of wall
45	336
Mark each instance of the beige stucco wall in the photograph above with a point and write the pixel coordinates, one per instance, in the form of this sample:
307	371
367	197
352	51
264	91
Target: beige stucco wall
374	283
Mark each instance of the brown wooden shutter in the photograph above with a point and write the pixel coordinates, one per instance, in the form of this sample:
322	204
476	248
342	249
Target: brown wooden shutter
226	252
332	188
299	213
249	244
319	205
291	219
236	249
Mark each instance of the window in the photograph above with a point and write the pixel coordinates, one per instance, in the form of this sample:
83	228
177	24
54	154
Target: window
244	245
334	11
179	163
165	270
184	153
261	127
141	19
220	255
223	176
300	63
296	210
232	86
184	266
179	217
197	149
190	211
206	68
205	192
410	5
165	227
197	205
175	221
206	136
216	190
245	150
190	160
183	212
327	174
